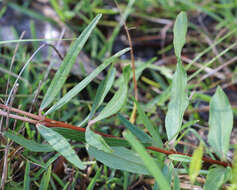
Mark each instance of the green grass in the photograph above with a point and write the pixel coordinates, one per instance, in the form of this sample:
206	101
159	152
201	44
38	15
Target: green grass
199	37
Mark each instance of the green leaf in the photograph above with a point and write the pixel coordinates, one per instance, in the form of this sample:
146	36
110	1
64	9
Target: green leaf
64	69
121	158
176	181
102	91
215	178
180	30
46	178
147	123
148	161
118	100
60	144
179	158
234	171
178	103
196	163
179	98
220	123
140	134
26	185
80	137
96	141
79	87
28	144
93	181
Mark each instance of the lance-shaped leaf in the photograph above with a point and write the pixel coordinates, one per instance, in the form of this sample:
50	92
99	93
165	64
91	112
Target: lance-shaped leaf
196	163
101	92
216	177
79	87
120	158
179	98
220	123
147	123
140	134
80	137
64	69
95	140
60	144
179	158
118	100
178	102
180	30
28	144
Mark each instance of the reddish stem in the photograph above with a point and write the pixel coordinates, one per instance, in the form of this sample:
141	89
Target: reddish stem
53	123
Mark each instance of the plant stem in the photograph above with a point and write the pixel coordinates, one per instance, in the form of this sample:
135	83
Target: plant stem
53	123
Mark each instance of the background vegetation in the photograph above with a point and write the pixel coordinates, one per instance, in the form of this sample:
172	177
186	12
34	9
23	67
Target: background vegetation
157	114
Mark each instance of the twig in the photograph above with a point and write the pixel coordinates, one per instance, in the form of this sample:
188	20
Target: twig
133	116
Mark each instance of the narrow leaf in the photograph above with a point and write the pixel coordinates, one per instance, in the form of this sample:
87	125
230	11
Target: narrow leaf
102	91
179	158
26	185
147	123
96	141
118	100
28	144
93	181
220	123
196	163
121	158
64	69
234	171
60	144
180	30
45	180
79	87
140	134
178	102
148	161
80	137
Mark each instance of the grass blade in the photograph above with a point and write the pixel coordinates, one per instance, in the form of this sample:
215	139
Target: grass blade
220	123
93	181
26	185
150	163
60	144
64	69
46	178
79	87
